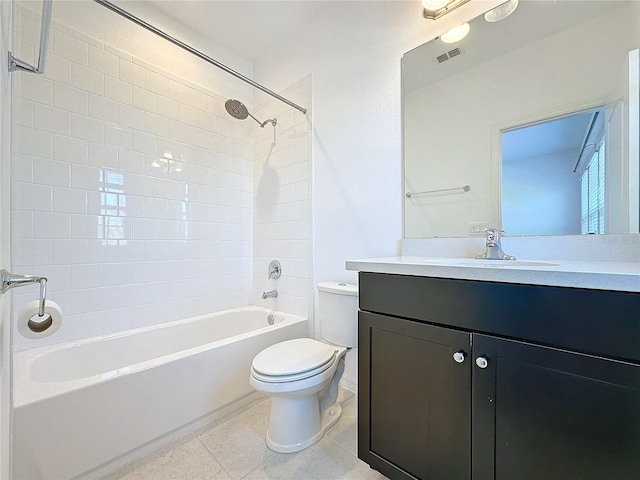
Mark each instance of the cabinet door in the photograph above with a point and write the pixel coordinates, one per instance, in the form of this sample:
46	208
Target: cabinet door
546	414
414	399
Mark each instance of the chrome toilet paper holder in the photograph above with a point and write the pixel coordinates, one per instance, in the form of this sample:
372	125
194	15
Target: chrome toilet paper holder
11	280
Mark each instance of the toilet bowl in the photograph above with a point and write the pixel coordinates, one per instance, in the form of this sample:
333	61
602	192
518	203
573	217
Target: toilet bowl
302	375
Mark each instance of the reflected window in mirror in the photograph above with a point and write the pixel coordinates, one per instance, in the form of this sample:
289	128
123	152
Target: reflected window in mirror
553	175
592	186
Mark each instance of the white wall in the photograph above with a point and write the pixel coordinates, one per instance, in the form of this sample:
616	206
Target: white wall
124	240
541	195
357	137
108	27
282	202
357	162
357	158
132	187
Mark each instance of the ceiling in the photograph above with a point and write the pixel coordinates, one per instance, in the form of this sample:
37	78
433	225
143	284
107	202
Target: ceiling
562	135
531	21
259	29
247	28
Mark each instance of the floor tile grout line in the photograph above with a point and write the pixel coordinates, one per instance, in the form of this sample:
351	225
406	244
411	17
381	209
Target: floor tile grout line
344	448
254	469
218	425
212	455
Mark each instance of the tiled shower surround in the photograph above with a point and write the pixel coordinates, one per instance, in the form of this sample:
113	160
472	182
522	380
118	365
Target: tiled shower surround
135	193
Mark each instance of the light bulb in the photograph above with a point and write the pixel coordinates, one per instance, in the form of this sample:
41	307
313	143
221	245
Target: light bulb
434	5
456	34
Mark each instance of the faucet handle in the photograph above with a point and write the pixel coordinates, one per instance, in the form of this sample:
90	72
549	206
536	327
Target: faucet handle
494	234
275	269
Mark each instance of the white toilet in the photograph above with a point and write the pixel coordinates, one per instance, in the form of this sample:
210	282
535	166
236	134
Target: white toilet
302	375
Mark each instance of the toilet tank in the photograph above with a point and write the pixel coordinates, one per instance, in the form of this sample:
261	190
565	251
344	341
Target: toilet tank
338	313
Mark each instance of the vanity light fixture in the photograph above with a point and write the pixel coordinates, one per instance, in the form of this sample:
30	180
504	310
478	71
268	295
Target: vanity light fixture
456	34
434	9
501	11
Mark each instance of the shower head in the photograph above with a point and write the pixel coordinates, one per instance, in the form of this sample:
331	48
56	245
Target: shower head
237	109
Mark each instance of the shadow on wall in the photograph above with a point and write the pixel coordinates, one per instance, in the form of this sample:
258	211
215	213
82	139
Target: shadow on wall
268	188
268	191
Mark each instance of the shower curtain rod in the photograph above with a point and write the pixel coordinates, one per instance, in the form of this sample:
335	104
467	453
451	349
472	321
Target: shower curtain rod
195	52
586	139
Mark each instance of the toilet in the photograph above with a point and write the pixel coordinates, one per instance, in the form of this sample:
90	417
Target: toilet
302	375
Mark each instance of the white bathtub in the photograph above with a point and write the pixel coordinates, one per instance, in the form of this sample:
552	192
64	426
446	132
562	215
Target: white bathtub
79	406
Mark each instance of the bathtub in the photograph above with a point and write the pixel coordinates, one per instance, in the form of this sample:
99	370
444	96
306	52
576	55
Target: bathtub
80	406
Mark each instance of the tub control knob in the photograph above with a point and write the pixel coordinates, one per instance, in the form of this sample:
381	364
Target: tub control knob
482	361
459	356
275	269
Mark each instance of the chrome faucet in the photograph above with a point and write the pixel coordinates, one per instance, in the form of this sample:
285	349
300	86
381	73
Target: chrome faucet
270	294
493	248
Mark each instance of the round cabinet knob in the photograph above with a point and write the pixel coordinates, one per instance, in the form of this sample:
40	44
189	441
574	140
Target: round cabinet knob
459	356
482	361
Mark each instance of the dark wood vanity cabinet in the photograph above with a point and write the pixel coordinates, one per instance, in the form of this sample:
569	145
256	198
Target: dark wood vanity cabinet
449	391
545	413
418	407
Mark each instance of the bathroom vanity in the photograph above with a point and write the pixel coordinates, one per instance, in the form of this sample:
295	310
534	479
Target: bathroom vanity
489	372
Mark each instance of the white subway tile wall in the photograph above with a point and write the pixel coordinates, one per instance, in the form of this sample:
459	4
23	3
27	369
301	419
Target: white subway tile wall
282	202
135	194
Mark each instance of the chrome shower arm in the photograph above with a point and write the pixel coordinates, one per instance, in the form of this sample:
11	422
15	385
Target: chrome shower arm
257	121
272	121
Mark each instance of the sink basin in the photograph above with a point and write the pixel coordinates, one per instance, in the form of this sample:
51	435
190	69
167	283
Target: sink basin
481	262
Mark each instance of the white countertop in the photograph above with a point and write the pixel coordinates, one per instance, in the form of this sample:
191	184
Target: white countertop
621	276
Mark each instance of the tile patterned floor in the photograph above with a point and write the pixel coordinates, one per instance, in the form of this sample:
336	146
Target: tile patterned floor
233	448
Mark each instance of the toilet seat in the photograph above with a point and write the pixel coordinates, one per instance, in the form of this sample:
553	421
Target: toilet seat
292	360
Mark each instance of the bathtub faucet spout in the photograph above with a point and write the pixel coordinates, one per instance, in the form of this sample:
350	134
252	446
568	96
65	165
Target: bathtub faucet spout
270	294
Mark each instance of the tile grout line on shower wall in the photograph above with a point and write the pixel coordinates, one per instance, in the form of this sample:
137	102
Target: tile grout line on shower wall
123	123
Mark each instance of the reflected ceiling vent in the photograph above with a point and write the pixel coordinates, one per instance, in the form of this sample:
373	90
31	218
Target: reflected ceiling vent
450	54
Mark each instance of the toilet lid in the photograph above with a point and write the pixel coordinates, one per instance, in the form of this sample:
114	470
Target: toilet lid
292	357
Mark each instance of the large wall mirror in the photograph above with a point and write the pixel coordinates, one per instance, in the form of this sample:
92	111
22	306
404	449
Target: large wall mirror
529	124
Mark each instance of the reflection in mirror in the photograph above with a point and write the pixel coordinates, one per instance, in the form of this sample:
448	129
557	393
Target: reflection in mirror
553	176
542	64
